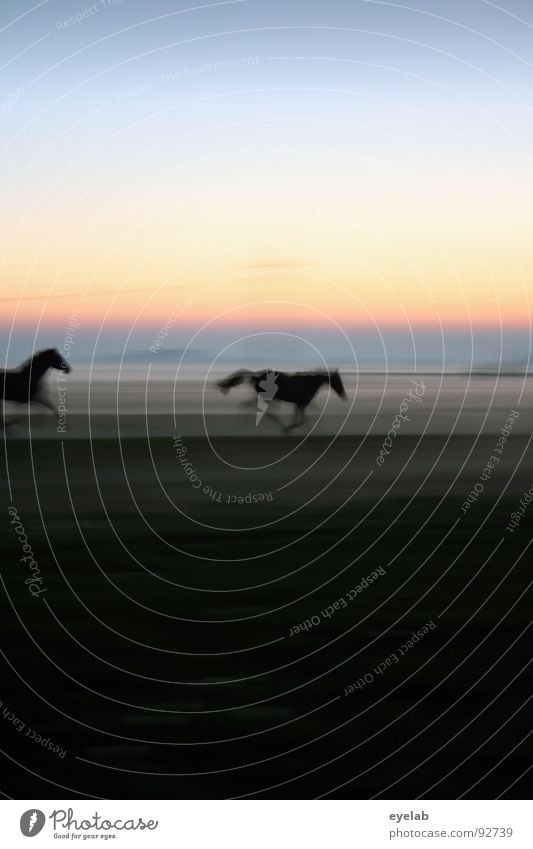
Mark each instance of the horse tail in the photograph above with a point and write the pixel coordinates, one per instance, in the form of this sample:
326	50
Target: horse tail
234	379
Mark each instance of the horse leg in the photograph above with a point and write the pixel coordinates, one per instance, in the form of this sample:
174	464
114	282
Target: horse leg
250	402
298	419
243	406
8	423
276	419
4	425
44	402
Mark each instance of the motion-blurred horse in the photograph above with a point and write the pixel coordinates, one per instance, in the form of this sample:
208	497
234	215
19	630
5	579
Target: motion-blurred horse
298	389
24	385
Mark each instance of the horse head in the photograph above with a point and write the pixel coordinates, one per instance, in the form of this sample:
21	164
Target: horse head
53	359
335	381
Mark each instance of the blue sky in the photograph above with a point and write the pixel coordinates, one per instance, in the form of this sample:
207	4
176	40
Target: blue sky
372	159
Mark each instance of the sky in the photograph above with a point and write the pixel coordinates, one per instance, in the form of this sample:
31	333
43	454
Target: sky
335	171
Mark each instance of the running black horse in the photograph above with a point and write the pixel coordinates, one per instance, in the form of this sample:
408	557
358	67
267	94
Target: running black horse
24	385
298	389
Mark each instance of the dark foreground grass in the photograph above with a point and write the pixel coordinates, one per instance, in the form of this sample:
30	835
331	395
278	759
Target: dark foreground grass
162	655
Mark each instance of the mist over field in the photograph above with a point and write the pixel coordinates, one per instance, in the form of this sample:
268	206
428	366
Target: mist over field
160	401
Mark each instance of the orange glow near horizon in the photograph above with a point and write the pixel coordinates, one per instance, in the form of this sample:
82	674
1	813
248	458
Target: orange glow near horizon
289	300
332	252
269	315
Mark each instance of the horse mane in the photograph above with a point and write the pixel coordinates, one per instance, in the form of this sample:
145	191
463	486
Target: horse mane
311	372
316	371
37	355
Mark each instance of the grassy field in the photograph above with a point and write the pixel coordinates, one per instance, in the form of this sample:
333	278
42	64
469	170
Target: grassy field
158	656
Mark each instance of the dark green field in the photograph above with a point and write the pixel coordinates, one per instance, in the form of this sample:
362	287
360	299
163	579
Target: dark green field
158	657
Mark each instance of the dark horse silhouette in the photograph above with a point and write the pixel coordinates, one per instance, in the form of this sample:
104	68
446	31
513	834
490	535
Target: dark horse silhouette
23	385
298	389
